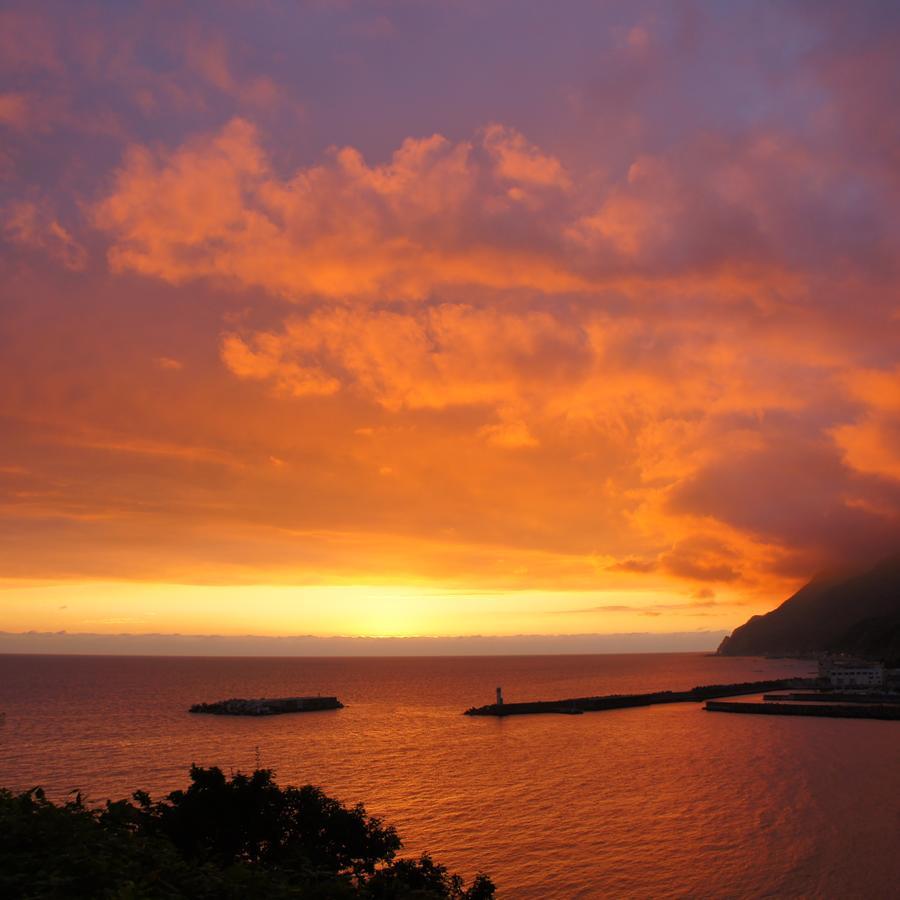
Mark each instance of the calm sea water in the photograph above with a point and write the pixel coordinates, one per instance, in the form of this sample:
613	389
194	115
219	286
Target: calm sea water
666	801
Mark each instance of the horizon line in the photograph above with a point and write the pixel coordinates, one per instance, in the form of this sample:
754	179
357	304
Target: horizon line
297	646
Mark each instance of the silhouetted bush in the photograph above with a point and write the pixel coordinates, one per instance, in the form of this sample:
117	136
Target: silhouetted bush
221	838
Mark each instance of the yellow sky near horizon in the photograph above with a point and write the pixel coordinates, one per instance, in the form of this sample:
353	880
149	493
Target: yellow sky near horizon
347	610
301	335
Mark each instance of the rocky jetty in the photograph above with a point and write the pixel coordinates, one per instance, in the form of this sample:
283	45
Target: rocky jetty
824	710
578	705
267	706
868	696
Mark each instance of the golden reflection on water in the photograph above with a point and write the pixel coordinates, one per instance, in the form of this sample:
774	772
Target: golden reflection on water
664	801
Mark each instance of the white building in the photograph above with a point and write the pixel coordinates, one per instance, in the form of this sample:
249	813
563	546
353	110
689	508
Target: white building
852	673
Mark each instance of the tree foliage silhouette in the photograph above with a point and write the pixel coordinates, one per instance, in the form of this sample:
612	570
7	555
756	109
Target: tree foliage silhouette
219	838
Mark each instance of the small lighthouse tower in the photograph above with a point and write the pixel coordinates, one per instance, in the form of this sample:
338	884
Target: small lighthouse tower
499	696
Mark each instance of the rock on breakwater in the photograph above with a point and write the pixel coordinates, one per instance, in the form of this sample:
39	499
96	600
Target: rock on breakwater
267	706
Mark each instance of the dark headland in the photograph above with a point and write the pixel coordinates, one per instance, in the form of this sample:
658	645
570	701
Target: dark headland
856	614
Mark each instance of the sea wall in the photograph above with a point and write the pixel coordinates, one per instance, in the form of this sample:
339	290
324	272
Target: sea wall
577	705
825	710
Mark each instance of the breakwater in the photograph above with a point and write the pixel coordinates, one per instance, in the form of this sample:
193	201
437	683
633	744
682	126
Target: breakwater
834	697
825	710
267	706
579	705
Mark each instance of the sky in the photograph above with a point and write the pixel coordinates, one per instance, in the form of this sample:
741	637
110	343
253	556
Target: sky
413	318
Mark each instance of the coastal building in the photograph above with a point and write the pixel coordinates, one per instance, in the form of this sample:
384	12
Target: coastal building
851	673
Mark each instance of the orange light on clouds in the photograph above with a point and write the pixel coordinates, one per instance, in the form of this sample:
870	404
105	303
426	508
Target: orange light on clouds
280	358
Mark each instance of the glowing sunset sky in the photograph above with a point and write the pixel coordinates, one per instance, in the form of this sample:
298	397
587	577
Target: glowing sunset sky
412	318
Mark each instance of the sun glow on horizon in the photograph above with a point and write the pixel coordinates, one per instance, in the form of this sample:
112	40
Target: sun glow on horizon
105	607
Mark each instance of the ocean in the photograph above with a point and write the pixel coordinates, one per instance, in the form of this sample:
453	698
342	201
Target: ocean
665	801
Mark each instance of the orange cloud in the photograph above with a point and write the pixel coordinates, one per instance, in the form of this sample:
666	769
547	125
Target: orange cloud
521	163
871	442
667	400
209	57
495	212
871	446
215	209
30	225
439	356
702	558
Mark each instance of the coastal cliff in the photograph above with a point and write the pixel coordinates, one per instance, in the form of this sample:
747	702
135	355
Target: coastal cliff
847	613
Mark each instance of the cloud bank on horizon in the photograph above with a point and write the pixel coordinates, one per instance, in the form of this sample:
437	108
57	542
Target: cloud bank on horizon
473	296
136	644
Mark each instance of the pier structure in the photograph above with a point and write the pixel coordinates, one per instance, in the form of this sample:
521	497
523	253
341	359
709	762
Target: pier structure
578	705
824	710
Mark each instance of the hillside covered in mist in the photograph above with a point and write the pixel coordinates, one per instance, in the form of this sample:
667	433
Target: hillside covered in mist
857	614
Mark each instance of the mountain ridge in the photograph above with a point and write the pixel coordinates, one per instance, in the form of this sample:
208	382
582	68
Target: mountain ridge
856	613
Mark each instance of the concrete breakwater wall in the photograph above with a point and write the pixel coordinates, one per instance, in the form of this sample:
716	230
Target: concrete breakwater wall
833	697
578	705
830	710
267	706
